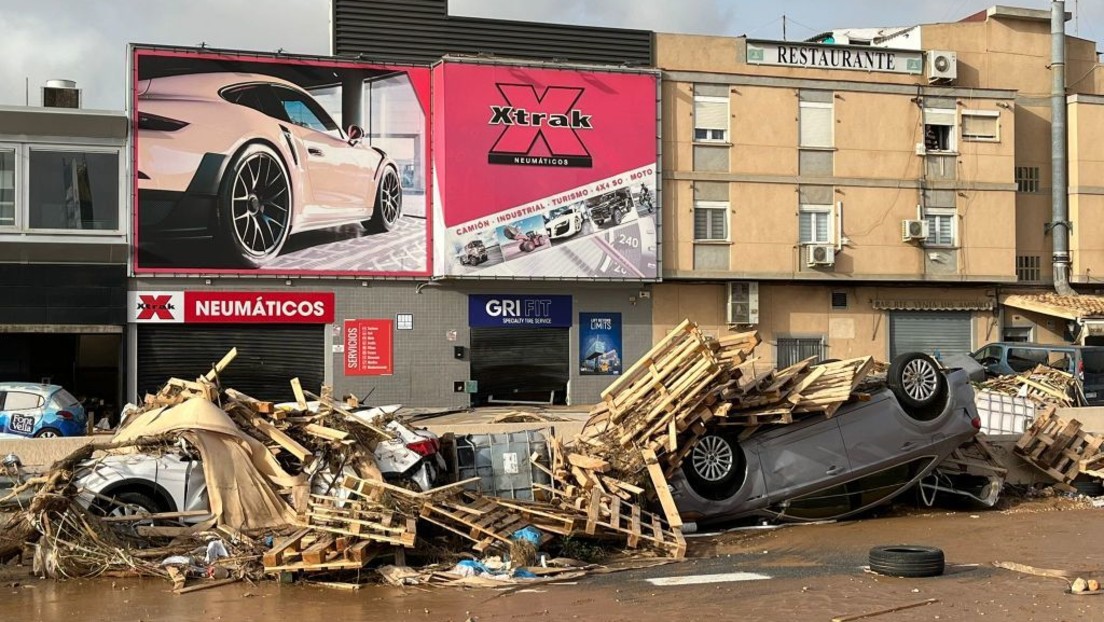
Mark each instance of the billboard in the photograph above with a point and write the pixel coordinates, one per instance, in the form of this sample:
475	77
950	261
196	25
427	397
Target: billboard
269	164
600	344
545	172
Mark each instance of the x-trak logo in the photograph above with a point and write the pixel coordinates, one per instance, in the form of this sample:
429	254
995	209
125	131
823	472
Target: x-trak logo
154	307
540	129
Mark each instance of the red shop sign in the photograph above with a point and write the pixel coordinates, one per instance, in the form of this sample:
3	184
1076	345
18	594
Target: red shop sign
259	307
368	348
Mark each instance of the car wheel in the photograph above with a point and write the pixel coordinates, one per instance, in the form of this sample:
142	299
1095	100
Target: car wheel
617	216
388	206
907	561
526	246
716	466
919	384
128	503
255	204
47	433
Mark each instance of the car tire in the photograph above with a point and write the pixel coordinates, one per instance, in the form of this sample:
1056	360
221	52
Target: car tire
255	206
919	384
388	205
129	498
48	433
907	560
617	216
716	467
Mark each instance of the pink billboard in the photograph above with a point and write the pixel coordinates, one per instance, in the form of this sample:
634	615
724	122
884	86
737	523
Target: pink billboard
545	172
250	163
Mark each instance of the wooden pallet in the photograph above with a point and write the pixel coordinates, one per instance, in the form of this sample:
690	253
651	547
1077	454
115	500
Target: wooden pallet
307	550
476	518
607	516
1058	446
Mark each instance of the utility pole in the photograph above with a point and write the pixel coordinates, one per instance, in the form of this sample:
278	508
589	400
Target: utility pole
784	28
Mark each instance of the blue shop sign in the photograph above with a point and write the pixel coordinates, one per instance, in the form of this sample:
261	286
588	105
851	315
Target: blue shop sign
517	310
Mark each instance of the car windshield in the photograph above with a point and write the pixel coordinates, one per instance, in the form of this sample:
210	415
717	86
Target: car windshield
64	399
1092	361
559	211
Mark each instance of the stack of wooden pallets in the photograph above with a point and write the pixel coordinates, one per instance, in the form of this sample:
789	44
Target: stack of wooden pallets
1059	447
1043	385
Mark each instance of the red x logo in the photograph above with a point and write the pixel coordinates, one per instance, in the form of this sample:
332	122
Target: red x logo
155	307
549	117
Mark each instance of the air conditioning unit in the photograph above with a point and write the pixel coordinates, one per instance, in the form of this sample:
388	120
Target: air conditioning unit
820	255
942	66
914	230
743	302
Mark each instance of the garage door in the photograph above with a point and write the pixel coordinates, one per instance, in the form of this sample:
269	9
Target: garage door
932	332
268	357
520	364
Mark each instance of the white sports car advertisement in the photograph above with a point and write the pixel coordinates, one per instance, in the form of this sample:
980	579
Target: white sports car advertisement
266	164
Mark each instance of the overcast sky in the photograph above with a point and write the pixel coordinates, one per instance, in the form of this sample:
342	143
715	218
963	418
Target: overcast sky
85	40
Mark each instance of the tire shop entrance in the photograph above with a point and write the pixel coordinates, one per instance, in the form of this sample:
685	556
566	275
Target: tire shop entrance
941	333
520	348
85	360
268	358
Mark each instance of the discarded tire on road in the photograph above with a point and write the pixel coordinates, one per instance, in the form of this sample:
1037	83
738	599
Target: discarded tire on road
907	560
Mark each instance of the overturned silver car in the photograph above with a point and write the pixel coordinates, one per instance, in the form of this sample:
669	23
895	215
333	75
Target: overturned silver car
826	468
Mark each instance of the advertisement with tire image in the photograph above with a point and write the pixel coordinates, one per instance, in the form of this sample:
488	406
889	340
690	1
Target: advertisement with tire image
266	164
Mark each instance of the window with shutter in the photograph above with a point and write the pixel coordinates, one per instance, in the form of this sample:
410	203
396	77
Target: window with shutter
815	224
941	227
710	118
815	125
980	125
710	221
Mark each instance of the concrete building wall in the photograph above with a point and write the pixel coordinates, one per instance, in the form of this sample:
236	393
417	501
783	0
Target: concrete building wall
805	310
425	369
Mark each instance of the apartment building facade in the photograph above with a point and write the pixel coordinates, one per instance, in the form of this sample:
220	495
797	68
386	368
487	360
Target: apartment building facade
872	192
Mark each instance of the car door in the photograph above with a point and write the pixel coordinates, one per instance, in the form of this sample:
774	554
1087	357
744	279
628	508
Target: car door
879	432
341	175
802	460
22	410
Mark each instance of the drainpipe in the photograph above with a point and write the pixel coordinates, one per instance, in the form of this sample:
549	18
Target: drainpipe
1059	225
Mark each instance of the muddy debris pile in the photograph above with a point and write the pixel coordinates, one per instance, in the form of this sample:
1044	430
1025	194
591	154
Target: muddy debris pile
296	489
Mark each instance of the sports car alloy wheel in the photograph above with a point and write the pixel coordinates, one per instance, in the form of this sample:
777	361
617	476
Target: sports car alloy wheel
919	379
712	458
390	197
260	204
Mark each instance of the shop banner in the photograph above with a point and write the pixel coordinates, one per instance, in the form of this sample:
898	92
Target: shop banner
523	311
231	307
369	349
600	344
545	172
253	163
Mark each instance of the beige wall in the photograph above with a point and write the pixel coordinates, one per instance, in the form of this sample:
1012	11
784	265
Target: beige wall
1086	179
797	310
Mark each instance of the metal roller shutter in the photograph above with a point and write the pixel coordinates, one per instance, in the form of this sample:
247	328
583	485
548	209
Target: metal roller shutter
931	332
268	356
520	363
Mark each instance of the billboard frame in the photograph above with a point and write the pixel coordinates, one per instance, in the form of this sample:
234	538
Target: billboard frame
135	50
567	66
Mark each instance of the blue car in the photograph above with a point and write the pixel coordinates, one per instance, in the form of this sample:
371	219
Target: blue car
40	411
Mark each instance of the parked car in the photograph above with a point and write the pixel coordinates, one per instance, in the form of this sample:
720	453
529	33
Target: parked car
564	222
173	481
1084	362
249	159
40	411
825	468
